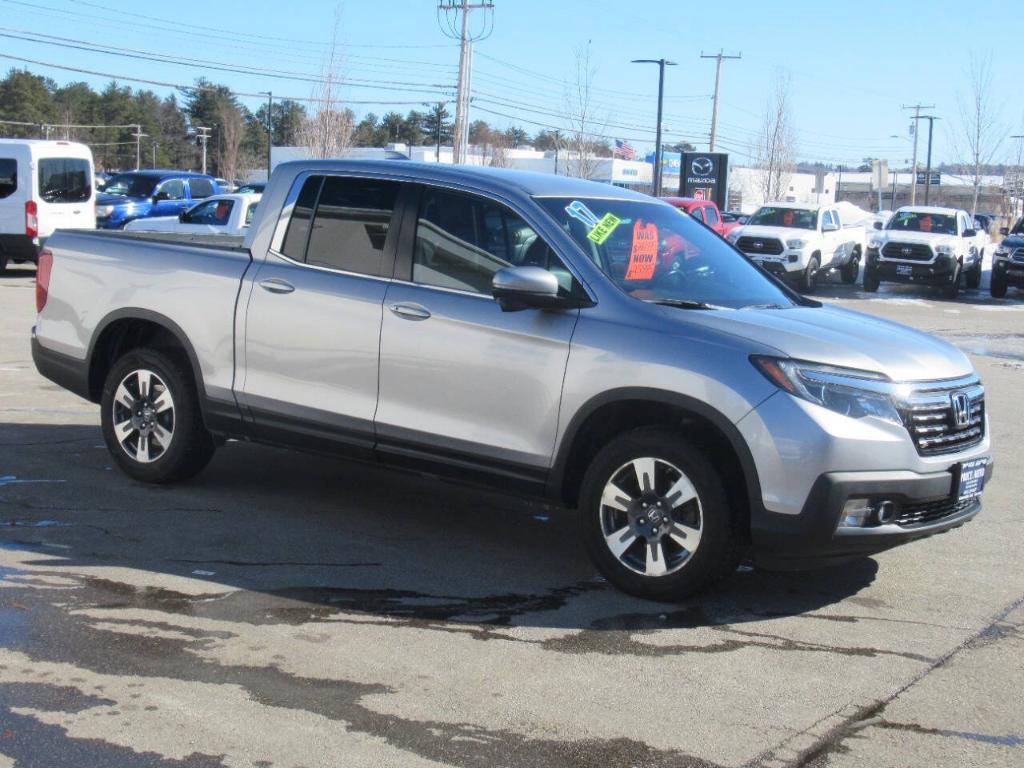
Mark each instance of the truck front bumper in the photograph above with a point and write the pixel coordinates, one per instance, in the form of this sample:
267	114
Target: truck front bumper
1011	270
922	505
938	272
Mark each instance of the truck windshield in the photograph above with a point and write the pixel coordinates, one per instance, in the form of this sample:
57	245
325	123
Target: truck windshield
917	221
791	218
131	185
653	252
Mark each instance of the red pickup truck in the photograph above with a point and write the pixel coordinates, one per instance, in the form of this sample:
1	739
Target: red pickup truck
704	211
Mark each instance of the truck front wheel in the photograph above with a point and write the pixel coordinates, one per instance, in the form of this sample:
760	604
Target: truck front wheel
151	420
848	272
655	516
998	285
973	277
952	290
871	281
809	277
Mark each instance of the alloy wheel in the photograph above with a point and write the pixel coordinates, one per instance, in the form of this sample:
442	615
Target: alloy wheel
651	517
143	413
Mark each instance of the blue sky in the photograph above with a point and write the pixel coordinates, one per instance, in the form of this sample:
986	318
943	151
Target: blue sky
852	65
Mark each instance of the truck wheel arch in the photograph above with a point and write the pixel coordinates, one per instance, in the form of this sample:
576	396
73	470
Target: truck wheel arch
128	328
612	412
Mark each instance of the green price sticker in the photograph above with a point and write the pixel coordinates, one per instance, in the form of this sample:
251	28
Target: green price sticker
604	228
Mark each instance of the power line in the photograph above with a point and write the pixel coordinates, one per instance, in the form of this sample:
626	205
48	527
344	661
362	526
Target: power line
917	121
451	10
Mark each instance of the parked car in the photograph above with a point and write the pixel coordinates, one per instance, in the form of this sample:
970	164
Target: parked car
140	194
929	246
801	243
1008	261
540	333
44	186
255	187
217	215
734	217
704	211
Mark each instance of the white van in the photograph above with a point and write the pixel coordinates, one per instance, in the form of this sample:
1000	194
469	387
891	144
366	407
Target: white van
44	186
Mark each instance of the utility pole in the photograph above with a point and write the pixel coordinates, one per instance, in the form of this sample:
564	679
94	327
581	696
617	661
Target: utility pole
461	32
155	145
139	135
928	173
917	118
204	135
718	57
1019	180
662	63
270	128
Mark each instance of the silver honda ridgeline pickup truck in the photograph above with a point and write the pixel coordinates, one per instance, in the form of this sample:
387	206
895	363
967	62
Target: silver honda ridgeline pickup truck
542	334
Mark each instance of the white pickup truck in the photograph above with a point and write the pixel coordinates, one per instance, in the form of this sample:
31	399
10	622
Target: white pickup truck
931	246
216	215
801	243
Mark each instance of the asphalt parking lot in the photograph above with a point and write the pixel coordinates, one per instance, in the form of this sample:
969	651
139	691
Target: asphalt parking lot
291	610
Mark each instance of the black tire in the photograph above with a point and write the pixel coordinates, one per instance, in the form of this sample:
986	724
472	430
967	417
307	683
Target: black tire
3	263
717	553
973	277
952	291
998	285
809	277
190	446
871	281
848	272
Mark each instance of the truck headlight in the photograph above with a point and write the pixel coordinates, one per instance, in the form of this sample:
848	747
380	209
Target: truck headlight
733	235
797	243
875	244
102	211
1002	253
944	250
846	391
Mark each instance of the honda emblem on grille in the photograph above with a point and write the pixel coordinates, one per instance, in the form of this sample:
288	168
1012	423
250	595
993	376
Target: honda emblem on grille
906	251
961	408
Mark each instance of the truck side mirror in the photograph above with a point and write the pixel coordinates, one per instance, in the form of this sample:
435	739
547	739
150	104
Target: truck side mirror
184	217
970	232
877	225
161	196
1004	231
829	228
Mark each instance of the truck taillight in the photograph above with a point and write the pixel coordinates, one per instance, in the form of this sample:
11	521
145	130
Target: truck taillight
31	219
43	269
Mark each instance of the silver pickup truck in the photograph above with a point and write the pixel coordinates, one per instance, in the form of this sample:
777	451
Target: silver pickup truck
542	334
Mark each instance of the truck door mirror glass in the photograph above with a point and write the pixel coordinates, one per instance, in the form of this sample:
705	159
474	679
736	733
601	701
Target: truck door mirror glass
970	232
877	225
184	217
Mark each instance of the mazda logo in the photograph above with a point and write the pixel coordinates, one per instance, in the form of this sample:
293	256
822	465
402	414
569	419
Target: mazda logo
961	404
702	166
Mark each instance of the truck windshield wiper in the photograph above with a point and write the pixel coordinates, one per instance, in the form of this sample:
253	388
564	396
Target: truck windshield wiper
684	303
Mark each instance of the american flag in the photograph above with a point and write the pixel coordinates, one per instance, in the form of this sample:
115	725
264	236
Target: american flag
624	150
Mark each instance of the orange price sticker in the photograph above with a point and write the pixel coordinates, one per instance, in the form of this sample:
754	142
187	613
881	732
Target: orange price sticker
643	257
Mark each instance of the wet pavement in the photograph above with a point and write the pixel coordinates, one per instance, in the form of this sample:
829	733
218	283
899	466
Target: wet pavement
292	610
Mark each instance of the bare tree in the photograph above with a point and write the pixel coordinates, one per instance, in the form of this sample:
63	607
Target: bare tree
980	132
584	128
327	130
232	127
775	152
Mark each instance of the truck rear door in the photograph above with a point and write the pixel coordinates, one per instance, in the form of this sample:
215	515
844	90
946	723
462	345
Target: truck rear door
64	194
312	324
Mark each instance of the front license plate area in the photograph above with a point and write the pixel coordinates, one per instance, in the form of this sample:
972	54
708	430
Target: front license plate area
971	481
904	270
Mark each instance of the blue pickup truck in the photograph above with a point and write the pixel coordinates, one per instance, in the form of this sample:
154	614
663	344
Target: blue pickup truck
142	194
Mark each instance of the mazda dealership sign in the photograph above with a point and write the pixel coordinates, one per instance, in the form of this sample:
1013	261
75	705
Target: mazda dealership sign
705	176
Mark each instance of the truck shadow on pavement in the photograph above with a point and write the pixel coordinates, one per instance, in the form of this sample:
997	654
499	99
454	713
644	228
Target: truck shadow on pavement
289	538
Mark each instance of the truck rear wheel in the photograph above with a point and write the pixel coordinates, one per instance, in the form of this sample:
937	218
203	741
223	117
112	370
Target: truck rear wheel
655	516
151	419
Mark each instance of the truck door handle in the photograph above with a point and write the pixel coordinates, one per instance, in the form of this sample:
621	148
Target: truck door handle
274	285
410	311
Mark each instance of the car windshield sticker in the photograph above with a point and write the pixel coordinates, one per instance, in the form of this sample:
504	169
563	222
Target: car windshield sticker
644	255
604	228
599	230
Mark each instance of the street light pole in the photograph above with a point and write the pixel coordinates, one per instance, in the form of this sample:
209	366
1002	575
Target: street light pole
270	128
662	63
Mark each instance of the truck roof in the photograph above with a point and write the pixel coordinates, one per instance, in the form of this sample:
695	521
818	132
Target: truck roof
928	209
163	172
800	206
499	179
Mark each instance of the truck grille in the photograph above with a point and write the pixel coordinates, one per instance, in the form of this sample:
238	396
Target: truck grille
922	512
1018	256
907	251
758	245
929	417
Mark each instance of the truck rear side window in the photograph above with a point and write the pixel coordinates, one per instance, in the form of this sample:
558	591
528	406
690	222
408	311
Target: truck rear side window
295	238
351	224
8	176
64	180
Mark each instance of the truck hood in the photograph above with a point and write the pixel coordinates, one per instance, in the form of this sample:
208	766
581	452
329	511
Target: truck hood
923	238
777	232
844	338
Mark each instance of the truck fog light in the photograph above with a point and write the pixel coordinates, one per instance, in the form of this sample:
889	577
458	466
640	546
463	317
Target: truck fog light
793	258
857	513
885	512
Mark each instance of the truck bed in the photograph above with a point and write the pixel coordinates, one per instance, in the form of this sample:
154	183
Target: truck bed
220	242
